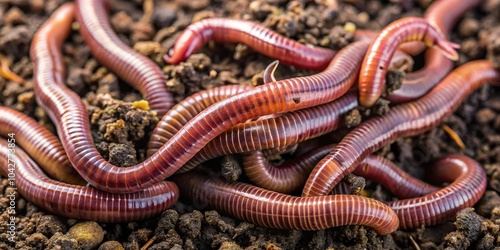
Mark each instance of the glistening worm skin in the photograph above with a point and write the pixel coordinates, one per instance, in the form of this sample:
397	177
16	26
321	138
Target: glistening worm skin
69	114
185	110
291	176
468	185
443	15
275	210
277	132
108	49
375	63
256	36
404	120
42	145
86	203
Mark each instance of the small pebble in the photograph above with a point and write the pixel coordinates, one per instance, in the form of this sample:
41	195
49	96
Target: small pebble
88	234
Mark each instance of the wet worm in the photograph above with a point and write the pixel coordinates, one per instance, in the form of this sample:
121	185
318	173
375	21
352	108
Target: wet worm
86	203
185	110
277	132
70	115
292	175
40	144
136	69
376	62
256	36
274	210
404	120
443	15
468	185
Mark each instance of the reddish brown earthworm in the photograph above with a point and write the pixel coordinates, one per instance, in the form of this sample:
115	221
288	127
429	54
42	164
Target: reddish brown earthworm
185	110
70	115
271	209
277	132
467	187
291	176
443	15
139	71
256	36
404	120
86	203
375	63
42	145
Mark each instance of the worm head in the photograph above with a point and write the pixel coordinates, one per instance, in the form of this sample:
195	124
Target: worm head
448	48
269	72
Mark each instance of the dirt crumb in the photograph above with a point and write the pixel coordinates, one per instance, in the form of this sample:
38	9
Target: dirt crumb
111	245
468	230
88	234
230	168
48	225
190	224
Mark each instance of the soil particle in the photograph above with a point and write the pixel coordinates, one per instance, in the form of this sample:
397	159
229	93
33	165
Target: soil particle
230	168
36	241
190	224
338	38
111	245
78	79
62	241
49	225
493	47
393	80
485	115
487	203
88	234
138	238
468	225
468	27
353	118
121	22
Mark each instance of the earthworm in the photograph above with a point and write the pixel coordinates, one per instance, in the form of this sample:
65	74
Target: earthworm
375	64
280	131
42	145
404	120
291	176
468	185
256	36
274	210
86	203
70	116
108	49
185	110
443	15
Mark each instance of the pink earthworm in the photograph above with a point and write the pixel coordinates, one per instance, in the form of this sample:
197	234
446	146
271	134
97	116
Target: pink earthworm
86	203
275	210
404	120
375	64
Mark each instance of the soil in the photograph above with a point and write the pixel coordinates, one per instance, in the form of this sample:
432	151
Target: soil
477	121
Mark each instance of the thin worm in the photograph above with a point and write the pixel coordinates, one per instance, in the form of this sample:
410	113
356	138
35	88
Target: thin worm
443	15
256	36
376	62
404	120
274	210
86	203
70	116
108	49
467	187
41	144
291	176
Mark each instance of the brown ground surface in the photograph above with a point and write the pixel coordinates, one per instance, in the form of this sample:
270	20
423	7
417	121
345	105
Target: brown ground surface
477	121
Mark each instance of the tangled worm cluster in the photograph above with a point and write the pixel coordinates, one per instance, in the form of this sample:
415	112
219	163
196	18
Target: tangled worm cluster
240	119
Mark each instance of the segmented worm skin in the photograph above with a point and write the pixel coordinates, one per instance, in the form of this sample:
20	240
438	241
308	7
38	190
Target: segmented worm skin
375	63
442	14
185	110
274	210
256	36
292	175
139	71
41	144
468	185
86	203
404	120
277	132
70	116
